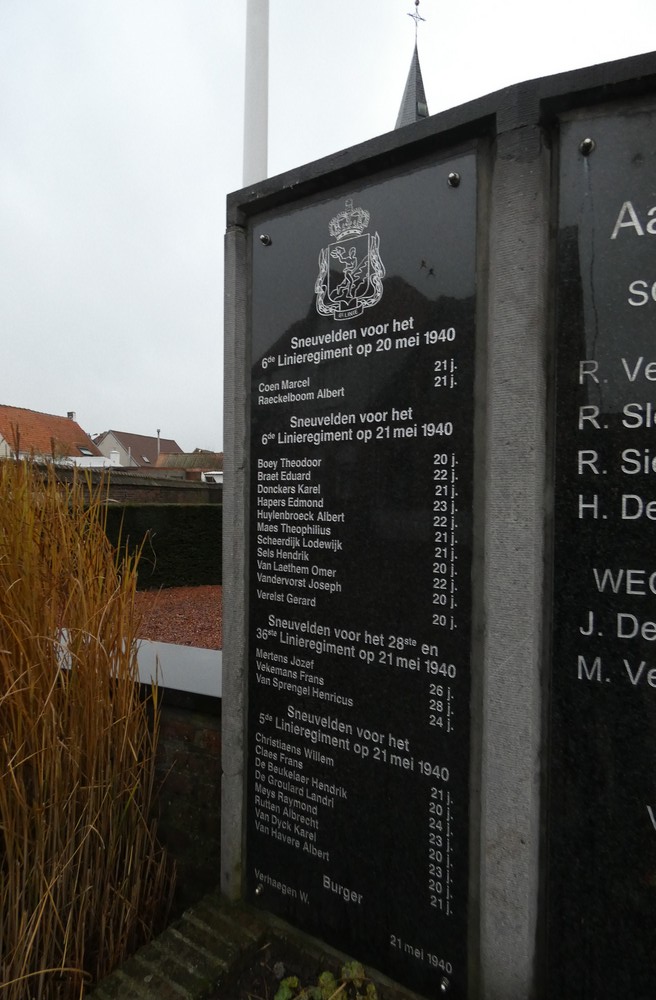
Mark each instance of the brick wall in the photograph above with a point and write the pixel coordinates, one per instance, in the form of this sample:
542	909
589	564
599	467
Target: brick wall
134	487
189	774
184	542
139	489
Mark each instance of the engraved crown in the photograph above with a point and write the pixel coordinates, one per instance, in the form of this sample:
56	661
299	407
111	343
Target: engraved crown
349	222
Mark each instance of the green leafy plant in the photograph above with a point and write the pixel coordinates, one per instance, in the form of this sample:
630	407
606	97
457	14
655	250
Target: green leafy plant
352	985
83	881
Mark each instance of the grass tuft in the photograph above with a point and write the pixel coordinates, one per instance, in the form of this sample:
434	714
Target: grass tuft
83	880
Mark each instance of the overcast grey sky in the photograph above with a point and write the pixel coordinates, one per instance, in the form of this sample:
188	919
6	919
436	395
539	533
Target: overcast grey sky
121	134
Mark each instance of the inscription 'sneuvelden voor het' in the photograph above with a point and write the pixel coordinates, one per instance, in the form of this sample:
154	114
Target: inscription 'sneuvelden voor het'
360	559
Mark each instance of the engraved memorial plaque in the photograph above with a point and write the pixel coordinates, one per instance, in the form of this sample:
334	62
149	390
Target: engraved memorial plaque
601	880
363	303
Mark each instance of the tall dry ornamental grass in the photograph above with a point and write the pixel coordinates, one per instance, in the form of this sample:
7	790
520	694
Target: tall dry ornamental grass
82	878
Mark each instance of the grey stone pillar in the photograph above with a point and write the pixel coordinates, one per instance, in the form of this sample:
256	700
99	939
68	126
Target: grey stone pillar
514	504
235	487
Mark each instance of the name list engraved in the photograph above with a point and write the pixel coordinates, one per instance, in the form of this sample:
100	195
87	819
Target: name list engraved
360	597
604	673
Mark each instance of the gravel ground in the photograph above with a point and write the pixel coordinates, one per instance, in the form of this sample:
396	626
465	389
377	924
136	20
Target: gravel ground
189	616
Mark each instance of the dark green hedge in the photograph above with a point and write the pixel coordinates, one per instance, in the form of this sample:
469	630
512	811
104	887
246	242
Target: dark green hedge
183	542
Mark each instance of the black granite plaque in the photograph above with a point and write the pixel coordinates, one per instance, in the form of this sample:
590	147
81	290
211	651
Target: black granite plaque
602	807
360	561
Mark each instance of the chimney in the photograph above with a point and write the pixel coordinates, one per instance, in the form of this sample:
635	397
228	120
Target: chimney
71	414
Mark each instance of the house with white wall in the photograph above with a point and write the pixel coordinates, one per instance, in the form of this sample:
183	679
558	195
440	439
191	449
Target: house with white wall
135	450
47	437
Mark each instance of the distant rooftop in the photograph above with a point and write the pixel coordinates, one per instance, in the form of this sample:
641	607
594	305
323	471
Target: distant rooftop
192	460
142	448
29	432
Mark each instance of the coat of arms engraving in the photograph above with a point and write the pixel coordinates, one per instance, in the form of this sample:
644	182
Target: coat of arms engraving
351	271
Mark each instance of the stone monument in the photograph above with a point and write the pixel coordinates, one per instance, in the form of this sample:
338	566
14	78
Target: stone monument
439	589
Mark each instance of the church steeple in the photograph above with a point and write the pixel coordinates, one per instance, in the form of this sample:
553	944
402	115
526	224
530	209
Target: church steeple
413	103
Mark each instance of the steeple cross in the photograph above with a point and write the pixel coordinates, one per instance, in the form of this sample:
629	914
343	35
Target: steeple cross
416	17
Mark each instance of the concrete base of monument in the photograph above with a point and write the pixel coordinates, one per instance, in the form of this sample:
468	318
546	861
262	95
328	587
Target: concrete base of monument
290	953
219	950
181	668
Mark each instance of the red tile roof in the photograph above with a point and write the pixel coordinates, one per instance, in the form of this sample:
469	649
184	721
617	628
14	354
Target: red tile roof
31	432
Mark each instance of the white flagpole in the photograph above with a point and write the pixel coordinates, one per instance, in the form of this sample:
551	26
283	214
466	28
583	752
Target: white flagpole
256	92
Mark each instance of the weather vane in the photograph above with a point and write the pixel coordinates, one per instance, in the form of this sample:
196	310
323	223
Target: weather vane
416	17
